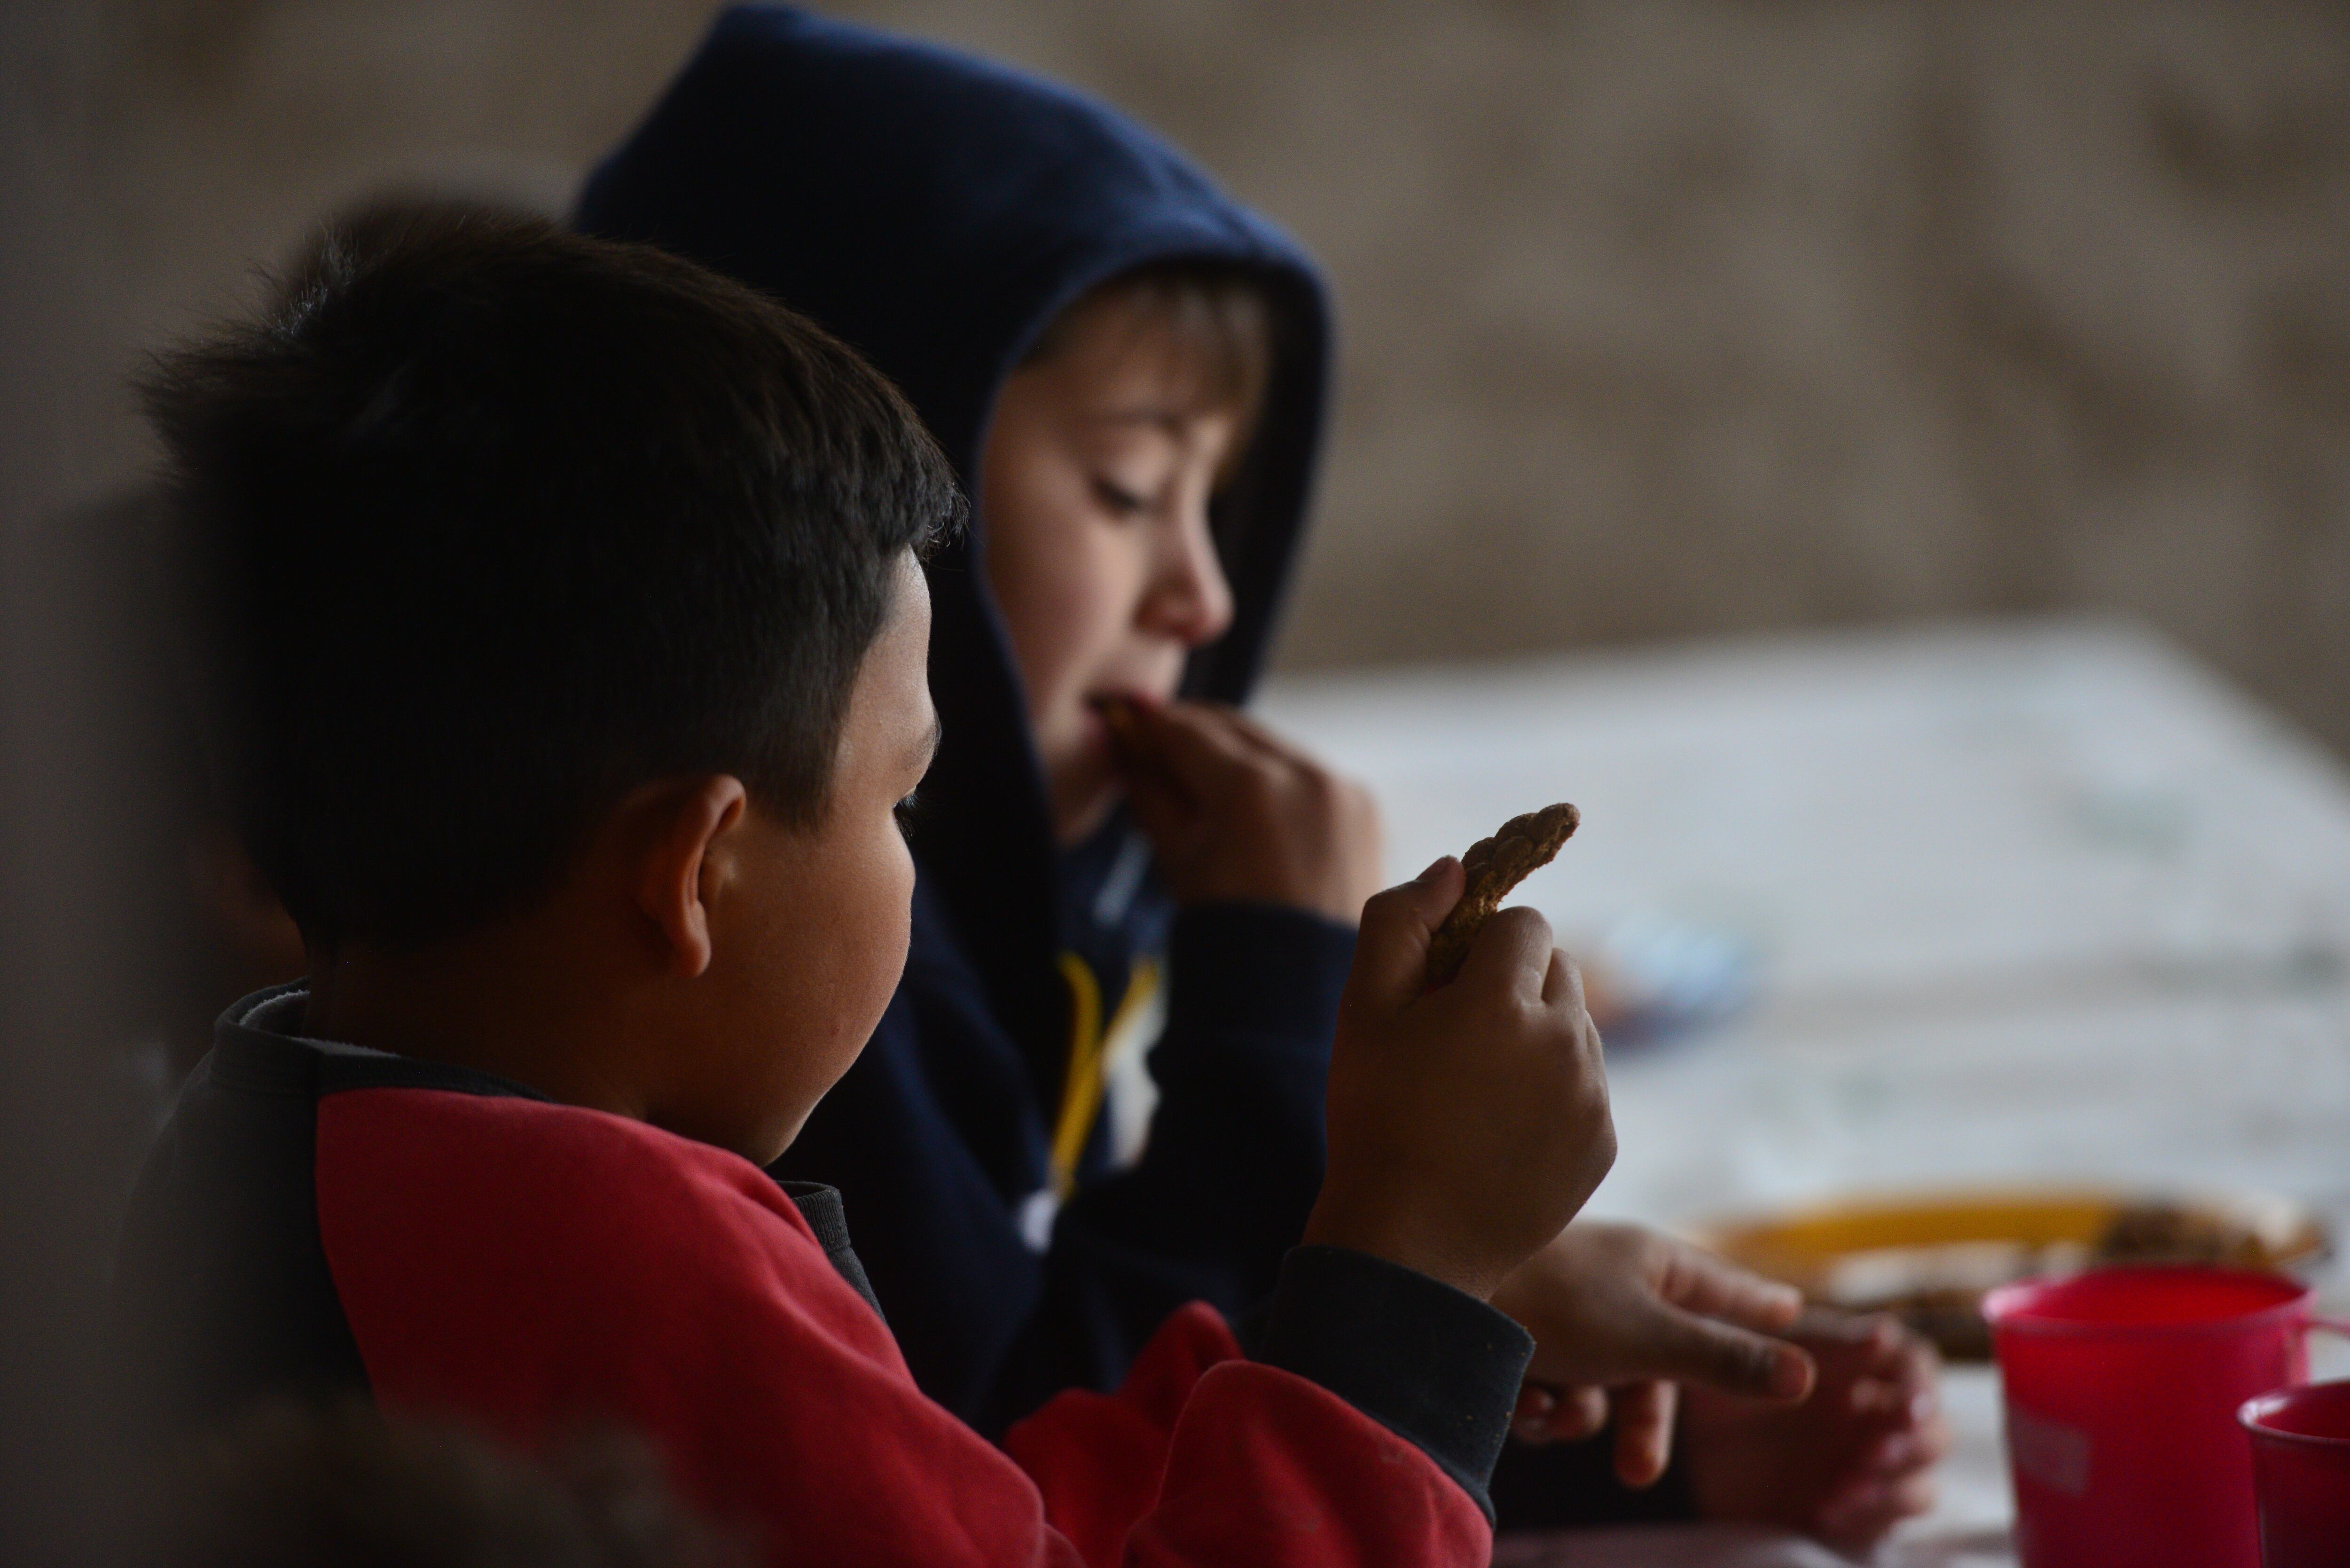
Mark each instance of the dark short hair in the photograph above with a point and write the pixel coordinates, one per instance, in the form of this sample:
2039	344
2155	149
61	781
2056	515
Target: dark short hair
492	521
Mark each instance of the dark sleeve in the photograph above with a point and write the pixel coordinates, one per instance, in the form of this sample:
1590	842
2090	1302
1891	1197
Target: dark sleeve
1432	1365
1232	1165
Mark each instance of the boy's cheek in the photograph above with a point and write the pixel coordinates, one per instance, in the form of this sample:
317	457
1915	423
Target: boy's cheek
895	934
874	941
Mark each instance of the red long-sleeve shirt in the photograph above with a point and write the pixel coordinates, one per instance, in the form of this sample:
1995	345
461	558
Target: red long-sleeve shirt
535	1268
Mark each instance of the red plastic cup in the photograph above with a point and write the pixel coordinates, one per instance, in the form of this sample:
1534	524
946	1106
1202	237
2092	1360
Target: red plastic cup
2301	1474
2122	1387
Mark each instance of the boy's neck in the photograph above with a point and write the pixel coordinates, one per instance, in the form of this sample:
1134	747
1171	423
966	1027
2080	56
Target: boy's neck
493	1001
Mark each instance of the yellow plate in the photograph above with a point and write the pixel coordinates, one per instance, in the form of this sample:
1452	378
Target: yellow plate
1932	1256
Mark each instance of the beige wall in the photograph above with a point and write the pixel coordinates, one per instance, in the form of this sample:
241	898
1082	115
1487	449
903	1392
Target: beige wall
1660	318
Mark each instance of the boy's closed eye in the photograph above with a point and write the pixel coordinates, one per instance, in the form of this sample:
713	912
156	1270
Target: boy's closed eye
1117	498
917	767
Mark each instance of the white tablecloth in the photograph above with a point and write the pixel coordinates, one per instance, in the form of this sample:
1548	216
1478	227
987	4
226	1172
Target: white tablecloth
2035	901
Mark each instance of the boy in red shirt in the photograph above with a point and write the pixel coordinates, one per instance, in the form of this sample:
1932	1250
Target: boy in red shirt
568	640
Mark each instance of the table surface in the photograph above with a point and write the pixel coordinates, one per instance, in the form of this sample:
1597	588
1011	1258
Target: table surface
2032	901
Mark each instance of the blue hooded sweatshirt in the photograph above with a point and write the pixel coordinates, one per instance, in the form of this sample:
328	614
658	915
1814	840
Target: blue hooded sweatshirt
937	212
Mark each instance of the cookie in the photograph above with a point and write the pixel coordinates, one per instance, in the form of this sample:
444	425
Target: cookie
1117	715
1495	866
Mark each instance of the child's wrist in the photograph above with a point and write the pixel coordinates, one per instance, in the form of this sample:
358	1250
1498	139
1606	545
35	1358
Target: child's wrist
1406	1240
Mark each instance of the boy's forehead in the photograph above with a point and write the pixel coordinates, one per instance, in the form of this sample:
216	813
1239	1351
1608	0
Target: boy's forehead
1142	374
898	659
891	722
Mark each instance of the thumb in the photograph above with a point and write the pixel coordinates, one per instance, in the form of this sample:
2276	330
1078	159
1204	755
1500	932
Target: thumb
1391	953
1693	1349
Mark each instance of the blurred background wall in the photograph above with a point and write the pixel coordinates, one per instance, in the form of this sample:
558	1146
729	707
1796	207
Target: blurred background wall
1660	318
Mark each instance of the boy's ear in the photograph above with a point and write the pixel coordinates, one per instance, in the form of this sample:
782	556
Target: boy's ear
686	863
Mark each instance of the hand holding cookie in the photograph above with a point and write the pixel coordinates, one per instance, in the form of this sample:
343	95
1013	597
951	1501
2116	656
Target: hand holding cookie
1467	1125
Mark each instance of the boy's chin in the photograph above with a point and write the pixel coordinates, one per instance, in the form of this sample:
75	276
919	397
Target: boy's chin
1074	826
1084	786
771	1148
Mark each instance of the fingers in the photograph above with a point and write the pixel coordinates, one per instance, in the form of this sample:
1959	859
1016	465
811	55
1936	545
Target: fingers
1256	733
1721	1331
1886	1370
1644	1431
1858	1519
1904	1401
1200	744
1164	809
1180	740
1920	1363
1581	1413
1512	956
1871	1335
1236	814
1914	1379
1707	1282
1904	1434
1165	806
1530	1417
1199	741
1391	954
1908	1448
1732	1359
1549	1414
1217	719
1562	984
1911	1437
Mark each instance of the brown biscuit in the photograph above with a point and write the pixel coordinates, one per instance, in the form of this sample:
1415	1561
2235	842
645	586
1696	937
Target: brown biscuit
1495	866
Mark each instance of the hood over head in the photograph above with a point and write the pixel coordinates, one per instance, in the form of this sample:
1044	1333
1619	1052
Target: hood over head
937	212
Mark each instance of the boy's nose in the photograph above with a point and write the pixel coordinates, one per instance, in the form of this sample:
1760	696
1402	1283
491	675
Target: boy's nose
1189	598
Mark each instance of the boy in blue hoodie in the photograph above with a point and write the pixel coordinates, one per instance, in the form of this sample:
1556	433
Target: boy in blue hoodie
1128	371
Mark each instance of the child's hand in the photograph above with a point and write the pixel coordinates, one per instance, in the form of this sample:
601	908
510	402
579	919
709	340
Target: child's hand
1620	1315
1236	812
1847	1464
1467	1123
